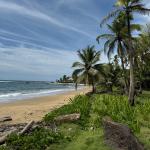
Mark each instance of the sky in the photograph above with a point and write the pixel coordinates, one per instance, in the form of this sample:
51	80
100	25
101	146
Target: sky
39	39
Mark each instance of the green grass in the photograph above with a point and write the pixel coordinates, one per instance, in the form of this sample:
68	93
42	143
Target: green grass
81	139
88	140
77	135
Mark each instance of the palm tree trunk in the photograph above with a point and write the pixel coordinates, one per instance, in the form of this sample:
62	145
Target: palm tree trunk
131	59
140	89
132	88
124	76
76	86
123	68
93	86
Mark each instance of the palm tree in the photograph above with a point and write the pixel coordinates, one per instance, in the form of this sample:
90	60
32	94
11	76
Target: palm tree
87	71
117	40
113	40
129	7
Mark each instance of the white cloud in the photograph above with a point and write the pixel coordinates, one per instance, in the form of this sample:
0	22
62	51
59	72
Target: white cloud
5	6
36	62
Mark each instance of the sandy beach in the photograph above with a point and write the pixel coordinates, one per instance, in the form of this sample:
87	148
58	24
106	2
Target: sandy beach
24	111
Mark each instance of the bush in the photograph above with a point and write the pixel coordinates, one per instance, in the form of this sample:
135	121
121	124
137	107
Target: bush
37	140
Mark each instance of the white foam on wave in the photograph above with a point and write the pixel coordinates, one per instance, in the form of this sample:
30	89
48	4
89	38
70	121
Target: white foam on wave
6	81
8	97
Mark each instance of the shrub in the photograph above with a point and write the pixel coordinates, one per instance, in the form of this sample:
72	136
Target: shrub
37	140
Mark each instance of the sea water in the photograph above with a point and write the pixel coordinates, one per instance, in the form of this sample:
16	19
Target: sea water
18	90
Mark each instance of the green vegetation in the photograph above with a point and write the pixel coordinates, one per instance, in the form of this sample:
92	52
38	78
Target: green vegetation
87	133
65	79
80	104
131	51
88	69
128	73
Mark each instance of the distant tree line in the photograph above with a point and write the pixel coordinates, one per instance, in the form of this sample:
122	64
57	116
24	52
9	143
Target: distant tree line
65	79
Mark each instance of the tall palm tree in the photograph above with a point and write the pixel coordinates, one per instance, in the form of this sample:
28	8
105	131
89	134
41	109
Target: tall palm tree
117	40
129	7
87	69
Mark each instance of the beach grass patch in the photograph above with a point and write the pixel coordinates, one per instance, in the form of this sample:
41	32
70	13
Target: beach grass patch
80	104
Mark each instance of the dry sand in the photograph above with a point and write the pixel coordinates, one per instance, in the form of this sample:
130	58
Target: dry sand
24	111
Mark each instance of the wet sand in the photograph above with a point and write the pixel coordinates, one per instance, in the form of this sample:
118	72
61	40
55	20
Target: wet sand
24	111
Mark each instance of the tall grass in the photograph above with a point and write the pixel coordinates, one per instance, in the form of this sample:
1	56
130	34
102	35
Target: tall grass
117	108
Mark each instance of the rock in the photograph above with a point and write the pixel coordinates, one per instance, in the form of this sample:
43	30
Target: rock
2	130
69	129
67	118
5	118
120	136
91	128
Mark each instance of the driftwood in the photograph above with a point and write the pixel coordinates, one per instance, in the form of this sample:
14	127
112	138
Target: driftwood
26	128
3	138
120	136
23	131
67	118
5	118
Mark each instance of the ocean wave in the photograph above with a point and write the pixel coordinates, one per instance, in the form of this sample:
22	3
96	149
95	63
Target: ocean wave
26	95
9	95
6	81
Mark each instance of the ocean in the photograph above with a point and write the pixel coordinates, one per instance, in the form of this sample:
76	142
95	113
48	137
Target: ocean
18	90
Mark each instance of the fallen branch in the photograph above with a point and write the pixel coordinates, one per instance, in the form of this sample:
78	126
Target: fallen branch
26	128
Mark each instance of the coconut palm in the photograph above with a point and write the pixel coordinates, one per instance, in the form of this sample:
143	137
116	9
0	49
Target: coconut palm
87	69
129	7
117	40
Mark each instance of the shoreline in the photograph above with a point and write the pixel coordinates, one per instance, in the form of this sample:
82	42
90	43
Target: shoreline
26	110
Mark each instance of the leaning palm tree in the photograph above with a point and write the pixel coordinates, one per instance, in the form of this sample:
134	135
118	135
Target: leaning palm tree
129	7
87	69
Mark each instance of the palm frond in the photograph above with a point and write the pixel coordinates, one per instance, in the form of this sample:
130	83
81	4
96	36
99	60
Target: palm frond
107	45
111	48
78	64
110	15
100	68
77	72
82	56
104	36
140	9
96	57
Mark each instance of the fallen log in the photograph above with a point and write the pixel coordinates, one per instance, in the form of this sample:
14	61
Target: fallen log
26	128
3	138
5	118
67	118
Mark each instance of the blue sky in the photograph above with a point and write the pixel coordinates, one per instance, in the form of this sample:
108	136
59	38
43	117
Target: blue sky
39	38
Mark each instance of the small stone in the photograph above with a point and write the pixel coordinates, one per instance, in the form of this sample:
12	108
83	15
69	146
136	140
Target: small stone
69	129
91	128
2	130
